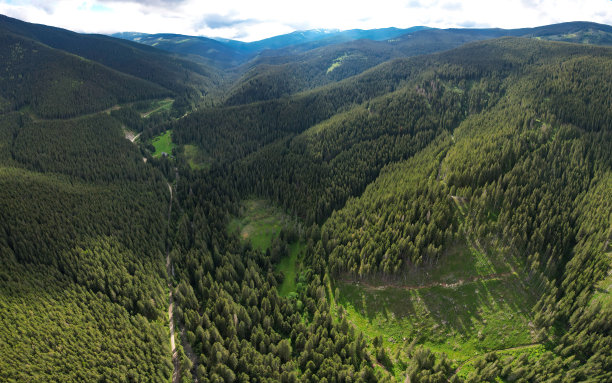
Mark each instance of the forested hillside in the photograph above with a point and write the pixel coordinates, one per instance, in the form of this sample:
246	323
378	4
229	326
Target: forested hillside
349	214
185	78
225	53
480	156
281	72
214	52
82	249
274	76
83	221
54	84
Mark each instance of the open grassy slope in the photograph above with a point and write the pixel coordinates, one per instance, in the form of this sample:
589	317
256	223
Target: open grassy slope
462	311
163	144
158	106
259	223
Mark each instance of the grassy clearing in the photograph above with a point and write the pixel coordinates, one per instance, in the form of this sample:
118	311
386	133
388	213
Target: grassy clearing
163	144
158	106
259	223
603	290
462	322
289	266
196	158
471	302
336	63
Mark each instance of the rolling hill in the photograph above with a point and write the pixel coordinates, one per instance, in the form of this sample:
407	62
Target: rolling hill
174	73
226	53
286	71
55	84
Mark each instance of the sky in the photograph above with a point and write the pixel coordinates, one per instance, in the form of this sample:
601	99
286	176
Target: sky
250	20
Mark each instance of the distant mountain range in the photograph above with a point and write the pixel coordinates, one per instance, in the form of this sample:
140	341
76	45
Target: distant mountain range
232	52
225	52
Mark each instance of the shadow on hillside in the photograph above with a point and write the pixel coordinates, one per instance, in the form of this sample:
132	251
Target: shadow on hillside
437	312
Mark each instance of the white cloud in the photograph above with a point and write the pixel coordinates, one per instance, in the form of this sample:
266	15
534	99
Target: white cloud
252	20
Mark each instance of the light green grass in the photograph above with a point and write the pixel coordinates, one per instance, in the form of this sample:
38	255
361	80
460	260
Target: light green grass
163	144
289	267
259	223
603	290
158	106
336	63
463	321
469	303
196	158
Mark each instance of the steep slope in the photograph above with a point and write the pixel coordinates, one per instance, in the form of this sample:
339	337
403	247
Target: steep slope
278	76
440	89
83	228
457	83
55	84
82	239
174	73
227	133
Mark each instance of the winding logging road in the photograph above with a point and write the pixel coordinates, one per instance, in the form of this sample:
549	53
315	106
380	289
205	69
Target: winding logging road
460	282
175	360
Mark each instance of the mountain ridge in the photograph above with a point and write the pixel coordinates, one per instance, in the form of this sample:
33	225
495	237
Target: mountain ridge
305	40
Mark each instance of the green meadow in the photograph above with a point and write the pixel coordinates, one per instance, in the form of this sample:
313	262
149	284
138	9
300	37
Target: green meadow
163	144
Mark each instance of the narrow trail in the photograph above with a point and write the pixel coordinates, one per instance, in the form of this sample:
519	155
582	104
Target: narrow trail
175	361
189	351
460	282
173	328
186	345
169	271
36	118
150	112
131	136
